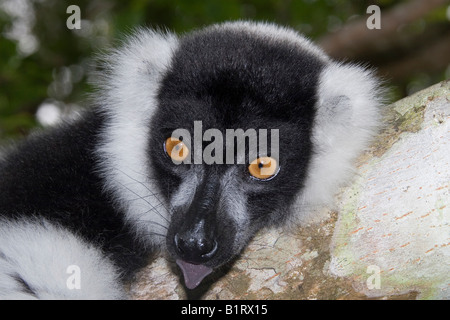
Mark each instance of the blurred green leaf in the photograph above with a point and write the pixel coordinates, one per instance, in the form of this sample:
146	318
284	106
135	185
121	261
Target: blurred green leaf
25	80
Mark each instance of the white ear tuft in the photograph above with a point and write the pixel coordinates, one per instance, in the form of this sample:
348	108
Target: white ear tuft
348	117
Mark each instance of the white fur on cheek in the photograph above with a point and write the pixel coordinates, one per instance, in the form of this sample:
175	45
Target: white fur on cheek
185	193
348	117
129	101
233	201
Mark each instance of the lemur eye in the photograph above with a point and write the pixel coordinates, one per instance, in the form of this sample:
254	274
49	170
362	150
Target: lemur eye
263	168
176	149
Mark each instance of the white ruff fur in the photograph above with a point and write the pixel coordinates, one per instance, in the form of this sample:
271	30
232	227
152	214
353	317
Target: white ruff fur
128	98
348	117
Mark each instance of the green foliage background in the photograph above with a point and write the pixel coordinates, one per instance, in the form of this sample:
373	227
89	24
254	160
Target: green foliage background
26	79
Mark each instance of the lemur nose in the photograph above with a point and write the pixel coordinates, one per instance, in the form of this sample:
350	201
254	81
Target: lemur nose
195	248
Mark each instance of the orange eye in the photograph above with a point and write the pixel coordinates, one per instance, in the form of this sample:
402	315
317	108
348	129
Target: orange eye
176	149
263	168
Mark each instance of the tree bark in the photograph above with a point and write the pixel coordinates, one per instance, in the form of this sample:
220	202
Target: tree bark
388	238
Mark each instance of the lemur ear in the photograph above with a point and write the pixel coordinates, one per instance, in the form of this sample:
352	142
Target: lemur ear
347	118
348	108
335	110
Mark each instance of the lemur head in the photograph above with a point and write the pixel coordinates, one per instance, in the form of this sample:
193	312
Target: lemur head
227	130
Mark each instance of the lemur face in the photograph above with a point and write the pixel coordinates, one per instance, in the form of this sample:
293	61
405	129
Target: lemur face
226	81
182	180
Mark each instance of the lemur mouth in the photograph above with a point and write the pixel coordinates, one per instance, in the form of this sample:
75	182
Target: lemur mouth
193	273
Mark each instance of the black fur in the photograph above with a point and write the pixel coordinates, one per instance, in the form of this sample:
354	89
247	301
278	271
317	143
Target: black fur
53	175
231	80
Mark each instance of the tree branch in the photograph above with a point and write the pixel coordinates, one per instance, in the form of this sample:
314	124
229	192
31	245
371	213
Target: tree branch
355	39
432	58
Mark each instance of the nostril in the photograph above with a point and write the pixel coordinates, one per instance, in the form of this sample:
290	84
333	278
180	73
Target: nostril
179	244
195	249
210	250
